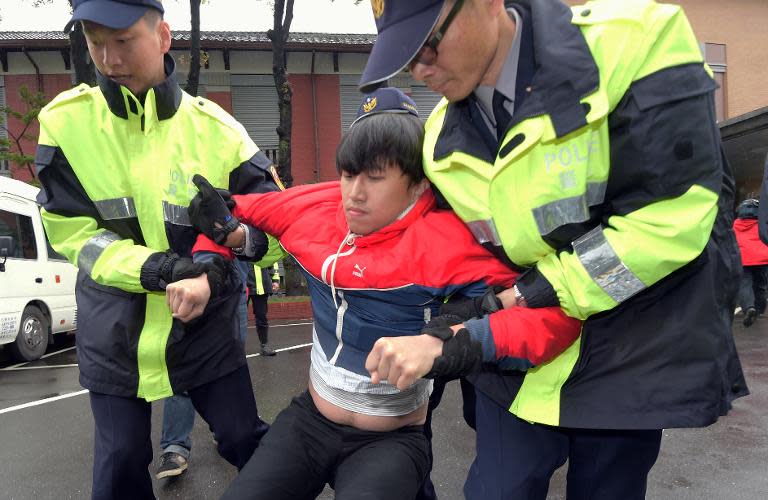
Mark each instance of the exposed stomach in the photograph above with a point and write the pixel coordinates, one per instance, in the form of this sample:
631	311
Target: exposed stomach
364	422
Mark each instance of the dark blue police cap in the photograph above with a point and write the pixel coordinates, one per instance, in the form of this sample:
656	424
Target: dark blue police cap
115	14
386	100
403	28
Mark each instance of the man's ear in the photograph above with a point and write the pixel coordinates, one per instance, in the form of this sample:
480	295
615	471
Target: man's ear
165	35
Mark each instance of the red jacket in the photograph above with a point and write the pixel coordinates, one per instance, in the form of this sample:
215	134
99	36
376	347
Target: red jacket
753	251
429	249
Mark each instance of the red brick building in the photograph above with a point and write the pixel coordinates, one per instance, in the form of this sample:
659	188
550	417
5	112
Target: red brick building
324	70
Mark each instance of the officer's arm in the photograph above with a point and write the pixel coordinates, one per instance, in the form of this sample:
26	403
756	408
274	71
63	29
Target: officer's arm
79	231
660	204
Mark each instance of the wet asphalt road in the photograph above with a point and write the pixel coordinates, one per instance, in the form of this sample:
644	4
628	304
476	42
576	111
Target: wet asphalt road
46	449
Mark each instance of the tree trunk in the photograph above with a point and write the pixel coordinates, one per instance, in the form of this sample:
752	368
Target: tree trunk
193	78
283	15
85	71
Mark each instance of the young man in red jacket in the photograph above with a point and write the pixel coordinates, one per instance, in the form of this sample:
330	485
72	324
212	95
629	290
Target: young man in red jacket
379	259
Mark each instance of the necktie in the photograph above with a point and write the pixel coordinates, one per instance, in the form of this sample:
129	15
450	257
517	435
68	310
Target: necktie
500	114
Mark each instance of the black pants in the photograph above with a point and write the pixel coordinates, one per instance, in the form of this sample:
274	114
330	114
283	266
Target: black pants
516	459
260	315
123	447
303	451
427	491
753	288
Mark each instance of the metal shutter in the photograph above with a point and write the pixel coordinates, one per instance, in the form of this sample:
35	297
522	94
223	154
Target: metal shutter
350	99
425	100
254	104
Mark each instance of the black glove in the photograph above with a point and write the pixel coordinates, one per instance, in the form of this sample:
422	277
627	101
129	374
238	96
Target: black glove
217	270
162	268
461	355
476	307
210	213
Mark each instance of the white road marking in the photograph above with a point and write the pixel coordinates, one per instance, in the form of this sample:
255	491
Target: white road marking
79	393
42	401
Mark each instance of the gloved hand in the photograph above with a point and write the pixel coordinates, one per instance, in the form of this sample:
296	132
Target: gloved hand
461	355
476	307
162	268
209	211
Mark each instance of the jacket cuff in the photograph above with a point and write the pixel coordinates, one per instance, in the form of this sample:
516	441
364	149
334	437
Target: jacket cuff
480	331
151	273
536	290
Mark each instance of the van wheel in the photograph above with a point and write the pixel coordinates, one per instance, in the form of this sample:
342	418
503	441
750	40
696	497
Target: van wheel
32	340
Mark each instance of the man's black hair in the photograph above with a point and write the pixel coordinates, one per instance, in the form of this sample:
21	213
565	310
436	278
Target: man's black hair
380	140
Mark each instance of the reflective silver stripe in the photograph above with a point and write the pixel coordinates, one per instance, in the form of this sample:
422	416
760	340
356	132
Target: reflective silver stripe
605	267
568	210
485	231
558	213
93	249
175	214
116	208
596	193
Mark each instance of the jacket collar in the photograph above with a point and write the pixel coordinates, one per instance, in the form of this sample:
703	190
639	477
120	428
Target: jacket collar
423	205
565	72
167	94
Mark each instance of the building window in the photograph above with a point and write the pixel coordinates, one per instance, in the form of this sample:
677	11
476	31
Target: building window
714	55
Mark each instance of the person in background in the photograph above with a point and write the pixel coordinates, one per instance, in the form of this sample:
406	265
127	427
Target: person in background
579	145
115	164
262	282
753	290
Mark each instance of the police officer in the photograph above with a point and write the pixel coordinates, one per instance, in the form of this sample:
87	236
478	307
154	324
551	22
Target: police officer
115	163
578	144
262	282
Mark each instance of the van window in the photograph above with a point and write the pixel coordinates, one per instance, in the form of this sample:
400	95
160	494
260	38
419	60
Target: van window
20	229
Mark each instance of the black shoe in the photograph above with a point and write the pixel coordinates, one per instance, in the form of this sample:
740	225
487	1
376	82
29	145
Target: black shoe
750	316
171	464
266	351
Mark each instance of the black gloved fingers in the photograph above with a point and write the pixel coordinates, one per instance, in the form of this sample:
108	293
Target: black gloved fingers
475	307
217	271
183	268
227	197
461	356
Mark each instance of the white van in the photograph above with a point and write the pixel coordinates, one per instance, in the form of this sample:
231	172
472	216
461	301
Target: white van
37	285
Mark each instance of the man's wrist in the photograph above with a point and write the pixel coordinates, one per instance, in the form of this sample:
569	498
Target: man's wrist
238	239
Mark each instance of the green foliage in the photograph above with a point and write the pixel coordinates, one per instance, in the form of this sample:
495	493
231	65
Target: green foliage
12	148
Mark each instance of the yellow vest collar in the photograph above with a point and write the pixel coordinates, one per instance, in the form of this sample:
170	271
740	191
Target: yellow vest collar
167	95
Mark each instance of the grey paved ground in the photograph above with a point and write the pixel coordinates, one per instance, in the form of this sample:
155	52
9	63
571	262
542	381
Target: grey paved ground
46	449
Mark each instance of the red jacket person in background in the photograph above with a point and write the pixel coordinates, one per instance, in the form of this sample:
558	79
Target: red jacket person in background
754	258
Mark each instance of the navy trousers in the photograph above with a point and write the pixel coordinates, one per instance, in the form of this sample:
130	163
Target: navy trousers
516	459
122	444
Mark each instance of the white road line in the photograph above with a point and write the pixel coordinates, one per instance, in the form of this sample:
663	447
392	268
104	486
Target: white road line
78	393
19	368
42	401
41	357
293	347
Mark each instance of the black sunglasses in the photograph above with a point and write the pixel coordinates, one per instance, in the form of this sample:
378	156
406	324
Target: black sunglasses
427	54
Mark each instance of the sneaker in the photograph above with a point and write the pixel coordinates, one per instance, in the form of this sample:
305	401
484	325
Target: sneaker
266	351
750	316
171	464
